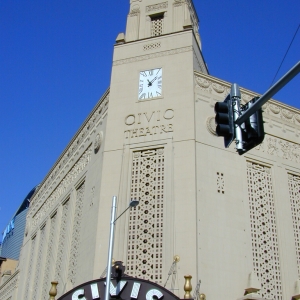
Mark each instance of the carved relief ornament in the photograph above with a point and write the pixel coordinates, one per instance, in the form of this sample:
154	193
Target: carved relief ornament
179	3
211	125
155	7
273	108
135	11
98	141
280	148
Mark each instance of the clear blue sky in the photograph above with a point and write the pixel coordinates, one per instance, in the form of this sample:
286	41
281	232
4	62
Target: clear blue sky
55	63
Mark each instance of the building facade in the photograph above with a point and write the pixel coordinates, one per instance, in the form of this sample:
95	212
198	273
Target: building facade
233	220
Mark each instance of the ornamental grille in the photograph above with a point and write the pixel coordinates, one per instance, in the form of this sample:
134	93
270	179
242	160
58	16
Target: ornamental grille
294	189
220	183
157	24
145	237
264	231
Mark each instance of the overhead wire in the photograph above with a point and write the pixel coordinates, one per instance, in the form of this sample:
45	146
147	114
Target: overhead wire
286	54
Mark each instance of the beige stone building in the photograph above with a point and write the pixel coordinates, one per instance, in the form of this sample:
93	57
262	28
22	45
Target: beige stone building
233	220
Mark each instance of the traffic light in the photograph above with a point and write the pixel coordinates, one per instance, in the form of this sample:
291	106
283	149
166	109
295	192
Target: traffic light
225	120
253	129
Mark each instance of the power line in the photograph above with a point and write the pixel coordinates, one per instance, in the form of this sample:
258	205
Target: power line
286	53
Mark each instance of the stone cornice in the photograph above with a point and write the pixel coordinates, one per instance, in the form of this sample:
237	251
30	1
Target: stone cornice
152	55
273	108
83	132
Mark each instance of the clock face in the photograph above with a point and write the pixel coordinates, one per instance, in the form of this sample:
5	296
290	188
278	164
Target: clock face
150	84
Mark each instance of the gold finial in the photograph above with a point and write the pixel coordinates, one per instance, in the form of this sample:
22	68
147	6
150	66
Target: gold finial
187	287
176	258
202	297
53	290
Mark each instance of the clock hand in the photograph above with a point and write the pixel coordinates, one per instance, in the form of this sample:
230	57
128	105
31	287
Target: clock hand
153	79
150	82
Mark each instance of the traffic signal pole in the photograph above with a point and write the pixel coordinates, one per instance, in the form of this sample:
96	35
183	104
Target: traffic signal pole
244	123
235	96
269	94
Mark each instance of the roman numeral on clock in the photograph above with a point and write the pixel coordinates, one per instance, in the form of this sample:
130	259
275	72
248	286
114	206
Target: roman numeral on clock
143	96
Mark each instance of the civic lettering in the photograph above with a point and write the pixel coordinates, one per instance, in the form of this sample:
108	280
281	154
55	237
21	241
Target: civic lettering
148	117
150	295
119	289
77	294
116	290
130	119
154	123
135	290
95	291
169	114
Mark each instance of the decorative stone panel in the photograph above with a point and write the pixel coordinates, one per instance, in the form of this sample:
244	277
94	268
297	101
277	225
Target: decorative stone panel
145	237
134	12
30	269
294	190
265	250
280	148
49	258
72	270
36	284
156	7
152	46
272	108
62	245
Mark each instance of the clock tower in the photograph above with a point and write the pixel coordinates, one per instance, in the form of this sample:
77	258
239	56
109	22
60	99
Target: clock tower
150	141
230	222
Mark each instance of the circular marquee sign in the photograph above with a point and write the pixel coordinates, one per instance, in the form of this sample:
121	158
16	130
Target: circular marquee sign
125	287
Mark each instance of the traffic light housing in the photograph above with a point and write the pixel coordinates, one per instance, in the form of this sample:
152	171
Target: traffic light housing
225	120
253	128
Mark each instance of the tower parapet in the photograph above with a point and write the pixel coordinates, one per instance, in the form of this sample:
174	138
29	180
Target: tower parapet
155	17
